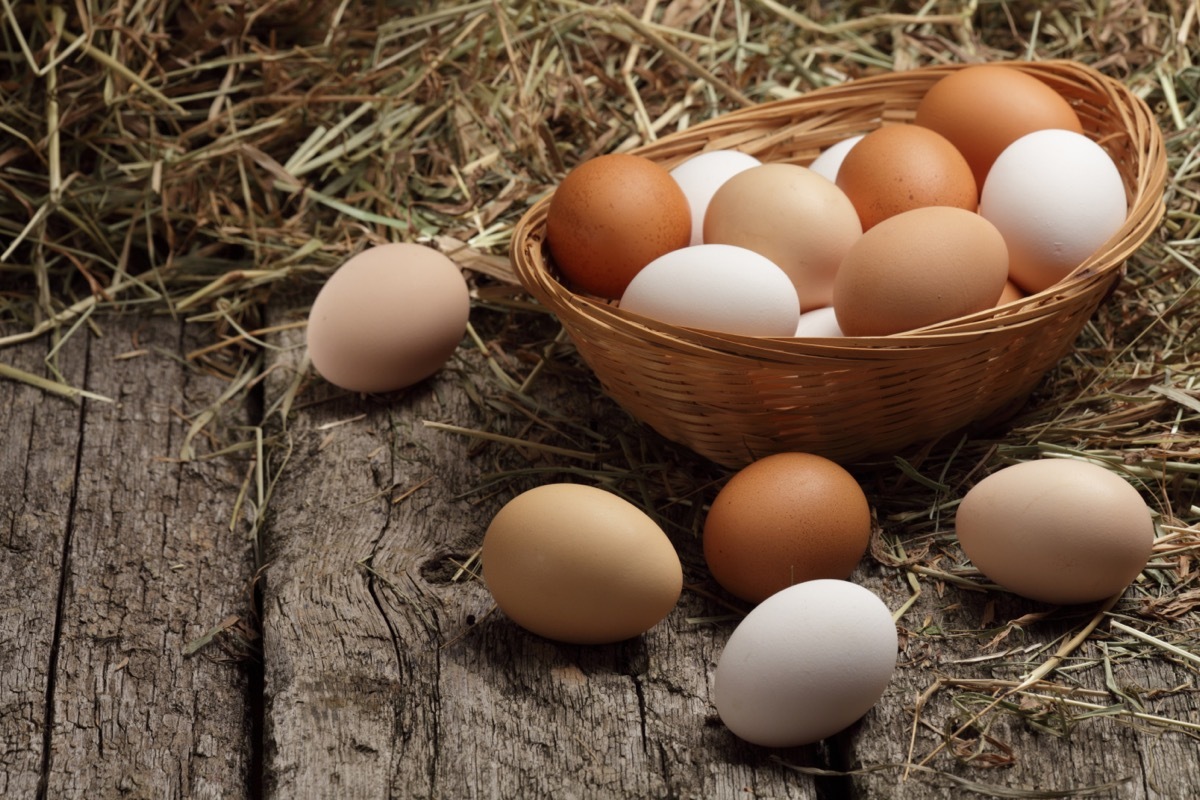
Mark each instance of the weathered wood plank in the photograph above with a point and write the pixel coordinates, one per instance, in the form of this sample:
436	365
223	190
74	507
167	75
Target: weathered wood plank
388	676
1032	745
37	474
150	564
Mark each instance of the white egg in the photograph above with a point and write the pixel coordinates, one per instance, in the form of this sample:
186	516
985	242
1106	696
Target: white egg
820	322
829	161
805	663
700	177
1056	197
716	287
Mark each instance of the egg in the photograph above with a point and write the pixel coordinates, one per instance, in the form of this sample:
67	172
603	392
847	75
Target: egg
983	108
700	177
820	322
612	215
805	664
799	220
387	318
897	168
919	268
578	564
1010	294
716	287
829	161
784	519
1056	196
1056	530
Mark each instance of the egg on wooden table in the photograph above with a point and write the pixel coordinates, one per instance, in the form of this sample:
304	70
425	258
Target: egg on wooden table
1056	530
783	519
579	564
390	316
805	664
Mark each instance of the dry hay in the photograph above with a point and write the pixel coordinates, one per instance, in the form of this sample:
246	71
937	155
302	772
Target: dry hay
212	160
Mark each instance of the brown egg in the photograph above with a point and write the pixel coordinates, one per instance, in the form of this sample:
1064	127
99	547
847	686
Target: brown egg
784	519
1010	293
1056	530
579	564
897	168
611	216
918	268
984	108
791	215
389	317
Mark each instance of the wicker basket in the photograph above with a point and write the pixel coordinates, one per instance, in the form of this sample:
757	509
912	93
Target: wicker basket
735	398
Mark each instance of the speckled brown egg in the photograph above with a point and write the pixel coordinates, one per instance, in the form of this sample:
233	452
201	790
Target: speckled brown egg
784	519
897	168
919	268
611	216
983	108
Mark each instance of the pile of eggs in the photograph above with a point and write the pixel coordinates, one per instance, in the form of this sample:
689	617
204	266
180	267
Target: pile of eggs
816	651
991	193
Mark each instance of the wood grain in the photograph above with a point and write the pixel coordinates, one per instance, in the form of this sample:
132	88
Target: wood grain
420	687
386	670
117	557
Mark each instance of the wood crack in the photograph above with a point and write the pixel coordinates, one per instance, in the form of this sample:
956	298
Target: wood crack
63	573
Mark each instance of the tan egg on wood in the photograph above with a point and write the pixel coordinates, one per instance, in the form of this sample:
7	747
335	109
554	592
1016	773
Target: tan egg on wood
578	564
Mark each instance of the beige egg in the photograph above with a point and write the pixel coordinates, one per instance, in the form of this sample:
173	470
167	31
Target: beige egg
918	268
1056	530
389	317
796	218
579	564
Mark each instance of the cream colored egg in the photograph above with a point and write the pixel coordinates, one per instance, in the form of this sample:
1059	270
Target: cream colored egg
1056	530
390	316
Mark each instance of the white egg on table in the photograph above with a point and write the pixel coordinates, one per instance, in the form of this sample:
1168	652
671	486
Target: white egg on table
805	663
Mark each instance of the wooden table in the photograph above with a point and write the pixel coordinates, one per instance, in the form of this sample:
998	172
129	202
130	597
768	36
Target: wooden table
138	564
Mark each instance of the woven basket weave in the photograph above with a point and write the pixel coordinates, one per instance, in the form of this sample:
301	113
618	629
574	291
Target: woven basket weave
735	398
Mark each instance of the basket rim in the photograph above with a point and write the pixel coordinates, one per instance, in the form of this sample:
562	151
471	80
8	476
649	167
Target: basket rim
1098	272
